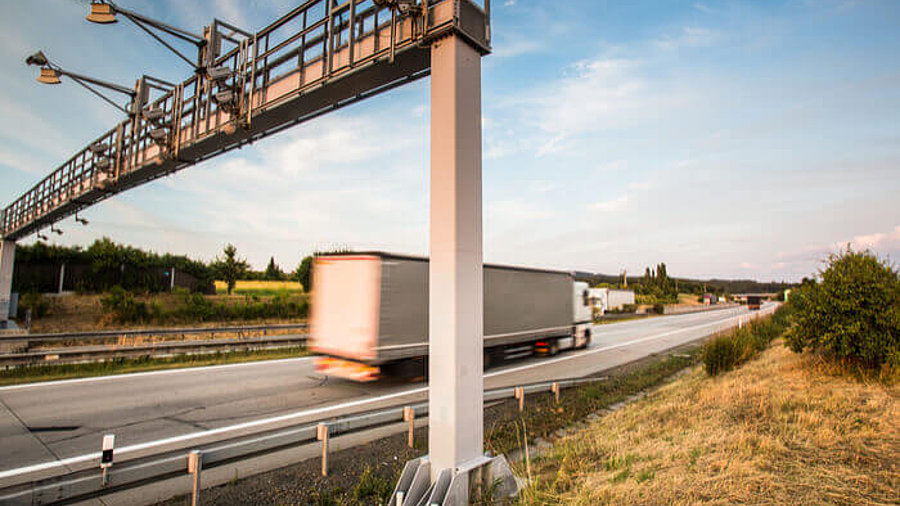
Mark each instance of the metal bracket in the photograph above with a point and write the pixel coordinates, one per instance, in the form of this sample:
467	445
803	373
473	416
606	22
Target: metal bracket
454	487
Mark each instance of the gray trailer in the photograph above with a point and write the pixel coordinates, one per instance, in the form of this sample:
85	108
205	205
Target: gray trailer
369	314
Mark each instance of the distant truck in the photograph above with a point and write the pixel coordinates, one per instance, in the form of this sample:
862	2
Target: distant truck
369	314
610	299
754	302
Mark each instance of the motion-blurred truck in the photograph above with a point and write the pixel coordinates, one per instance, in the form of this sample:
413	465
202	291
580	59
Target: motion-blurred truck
370	314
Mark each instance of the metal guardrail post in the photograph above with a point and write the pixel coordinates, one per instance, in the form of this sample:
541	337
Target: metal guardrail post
195	467
322	435
409	416
520	395
555	389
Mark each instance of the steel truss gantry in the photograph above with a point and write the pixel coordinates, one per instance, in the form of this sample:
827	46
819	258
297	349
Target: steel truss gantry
321	56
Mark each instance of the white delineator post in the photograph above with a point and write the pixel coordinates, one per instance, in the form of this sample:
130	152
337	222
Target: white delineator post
7	257
455	323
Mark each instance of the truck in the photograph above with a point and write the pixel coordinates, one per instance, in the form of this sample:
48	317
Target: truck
369	314
754	302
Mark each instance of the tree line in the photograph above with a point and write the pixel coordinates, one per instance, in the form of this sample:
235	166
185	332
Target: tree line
657	282
231	268
106	264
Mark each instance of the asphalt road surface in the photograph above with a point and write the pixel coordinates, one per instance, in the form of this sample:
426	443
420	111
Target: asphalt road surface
46	428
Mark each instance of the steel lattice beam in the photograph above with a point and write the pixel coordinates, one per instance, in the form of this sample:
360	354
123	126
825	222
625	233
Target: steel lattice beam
321	56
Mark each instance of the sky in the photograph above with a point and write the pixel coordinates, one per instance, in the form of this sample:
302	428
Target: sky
732	139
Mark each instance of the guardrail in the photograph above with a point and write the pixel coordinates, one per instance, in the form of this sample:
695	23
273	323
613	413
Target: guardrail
25	349
92	483
109	334
157	349
673	309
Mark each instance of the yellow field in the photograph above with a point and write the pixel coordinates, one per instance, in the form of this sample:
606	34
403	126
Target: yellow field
262	287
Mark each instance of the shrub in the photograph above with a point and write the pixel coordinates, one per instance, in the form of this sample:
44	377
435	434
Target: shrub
853	314
372	488
724	353
37	303
123	307
740	345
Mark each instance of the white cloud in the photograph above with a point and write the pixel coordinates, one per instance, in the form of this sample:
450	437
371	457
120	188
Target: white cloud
600	94
356	180
512	46
613	165
608	206
689	37
881	240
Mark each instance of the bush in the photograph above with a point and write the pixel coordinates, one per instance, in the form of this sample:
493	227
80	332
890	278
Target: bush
37	303
724	353
123	307
853	314
728	351
373	488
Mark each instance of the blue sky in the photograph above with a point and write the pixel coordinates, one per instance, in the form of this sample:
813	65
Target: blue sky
727	139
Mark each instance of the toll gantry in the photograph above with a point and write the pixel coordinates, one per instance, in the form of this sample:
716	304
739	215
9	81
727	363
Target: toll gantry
319	57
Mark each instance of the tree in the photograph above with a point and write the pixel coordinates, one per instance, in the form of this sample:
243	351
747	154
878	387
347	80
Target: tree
273	272
303	271
231	268
853	314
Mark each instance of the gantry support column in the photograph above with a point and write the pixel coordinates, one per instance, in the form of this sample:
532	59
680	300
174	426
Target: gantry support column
455	322
7	256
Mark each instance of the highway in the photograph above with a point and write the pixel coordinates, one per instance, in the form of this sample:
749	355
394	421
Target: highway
48	427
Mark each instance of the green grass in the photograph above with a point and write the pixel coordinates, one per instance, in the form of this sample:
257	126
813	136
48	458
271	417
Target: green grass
129	365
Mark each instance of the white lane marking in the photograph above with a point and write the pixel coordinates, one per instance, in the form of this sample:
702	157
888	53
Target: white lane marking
23	386
210	432
614	346
184	370
324	409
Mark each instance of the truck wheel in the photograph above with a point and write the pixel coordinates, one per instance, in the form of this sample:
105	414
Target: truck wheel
554	347
493	356
587	339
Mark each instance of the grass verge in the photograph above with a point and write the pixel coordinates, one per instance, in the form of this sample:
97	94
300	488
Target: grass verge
129	365
365	475
542	416
779	430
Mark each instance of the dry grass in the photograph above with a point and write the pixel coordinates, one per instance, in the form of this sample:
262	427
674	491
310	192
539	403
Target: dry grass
782	429
688	299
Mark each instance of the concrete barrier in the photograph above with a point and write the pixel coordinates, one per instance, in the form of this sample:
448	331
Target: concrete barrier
670	309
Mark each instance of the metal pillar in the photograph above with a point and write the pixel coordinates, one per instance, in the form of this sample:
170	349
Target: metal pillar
62	278
455	324
7	257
